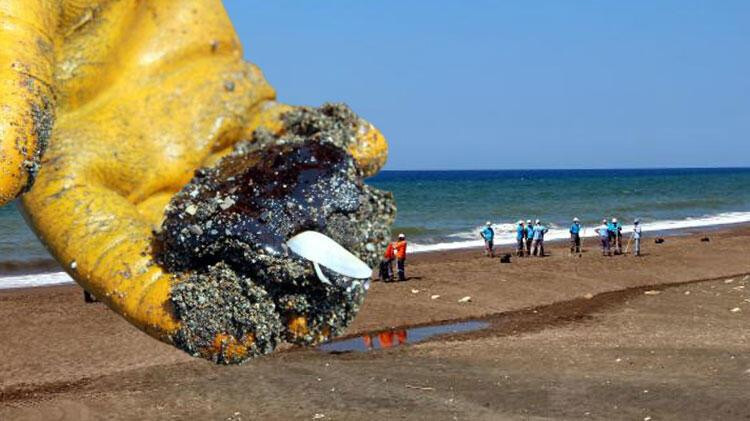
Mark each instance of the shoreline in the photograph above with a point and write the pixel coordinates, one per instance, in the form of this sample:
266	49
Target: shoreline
36	279
587	233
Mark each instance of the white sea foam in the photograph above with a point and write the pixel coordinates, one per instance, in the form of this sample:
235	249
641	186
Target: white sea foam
35	280
505	233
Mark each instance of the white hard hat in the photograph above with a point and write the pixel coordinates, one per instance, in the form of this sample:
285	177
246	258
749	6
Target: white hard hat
637	221
538	221
401	235
575	219
520	222
528	221
489	223
604	221
614	219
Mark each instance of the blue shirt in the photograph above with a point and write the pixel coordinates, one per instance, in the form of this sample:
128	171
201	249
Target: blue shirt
575	229
539	232
530	232
488	234
603	231
519	232
611	227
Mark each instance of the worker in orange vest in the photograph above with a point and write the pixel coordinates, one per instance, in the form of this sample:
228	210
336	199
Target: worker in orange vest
386	265
401	256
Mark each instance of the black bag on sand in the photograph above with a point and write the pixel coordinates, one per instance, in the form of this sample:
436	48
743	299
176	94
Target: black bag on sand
505	258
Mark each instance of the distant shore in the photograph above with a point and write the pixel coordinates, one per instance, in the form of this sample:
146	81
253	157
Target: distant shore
47	272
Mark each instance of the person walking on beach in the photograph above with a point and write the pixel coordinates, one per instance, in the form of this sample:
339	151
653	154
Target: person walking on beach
538	244
488	235
386	265
575	236
637	233
604	236
529	236
401	257
520	238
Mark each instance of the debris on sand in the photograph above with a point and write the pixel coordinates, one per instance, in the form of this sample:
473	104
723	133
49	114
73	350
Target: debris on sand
464	300
735	310
729	281
434	297
425	388
652	292
588	295
414	291
244	290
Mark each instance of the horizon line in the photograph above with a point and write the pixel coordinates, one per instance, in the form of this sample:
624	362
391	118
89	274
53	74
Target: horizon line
573	169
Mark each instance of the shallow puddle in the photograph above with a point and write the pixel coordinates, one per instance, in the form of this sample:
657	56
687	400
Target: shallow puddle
397	337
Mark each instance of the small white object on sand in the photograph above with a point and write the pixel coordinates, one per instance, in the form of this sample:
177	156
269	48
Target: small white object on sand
465	299
434	297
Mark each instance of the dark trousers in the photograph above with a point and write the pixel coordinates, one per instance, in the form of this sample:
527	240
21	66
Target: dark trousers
401	269
618	243
386	270
606	247
529	242
519	247
575	243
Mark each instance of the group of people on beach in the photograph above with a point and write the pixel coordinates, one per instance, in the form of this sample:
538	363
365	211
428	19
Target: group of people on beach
529	242
530	237
610	236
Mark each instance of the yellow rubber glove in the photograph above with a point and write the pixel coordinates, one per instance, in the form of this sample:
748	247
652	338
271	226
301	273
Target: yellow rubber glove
26	110
147	92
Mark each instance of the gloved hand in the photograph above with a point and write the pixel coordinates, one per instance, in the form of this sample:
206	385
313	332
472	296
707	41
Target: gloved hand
146	93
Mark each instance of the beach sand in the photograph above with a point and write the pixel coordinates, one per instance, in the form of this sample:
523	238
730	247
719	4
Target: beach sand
569	338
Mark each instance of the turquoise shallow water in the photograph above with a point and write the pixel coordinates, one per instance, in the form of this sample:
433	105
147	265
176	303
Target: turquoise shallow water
444	209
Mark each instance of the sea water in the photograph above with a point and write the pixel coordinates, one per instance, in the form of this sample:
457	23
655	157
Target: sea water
442	210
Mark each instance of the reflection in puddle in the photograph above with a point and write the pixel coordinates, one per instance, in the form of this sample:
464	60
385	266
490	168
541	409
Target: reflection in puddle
393	338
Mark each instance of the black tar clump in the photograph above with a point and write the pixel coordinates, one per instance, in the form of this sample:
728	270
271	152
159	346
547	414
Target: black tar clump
236	217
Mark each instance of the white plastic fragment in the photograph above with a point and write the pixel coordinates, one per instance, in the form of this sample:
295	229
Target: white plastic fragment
323	250
465	299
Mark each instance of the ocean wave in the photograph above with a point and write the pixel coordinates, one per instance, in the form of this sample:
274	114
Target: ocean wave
12	267
35	280
505	234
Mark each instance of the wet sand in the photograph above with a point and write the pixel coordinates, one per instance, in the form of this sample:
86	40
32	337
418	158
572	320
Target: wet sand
569	338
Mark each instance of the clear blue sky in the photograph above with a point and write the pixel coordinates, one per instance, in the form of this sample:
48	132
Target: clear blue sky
522	84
